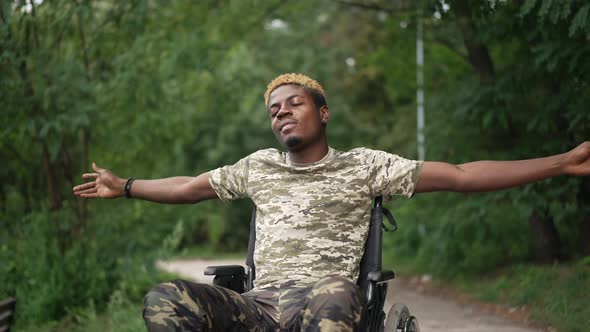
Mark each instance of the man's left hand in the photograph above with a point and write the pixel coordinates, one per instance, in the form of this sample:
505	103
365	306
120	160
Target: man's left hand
577	160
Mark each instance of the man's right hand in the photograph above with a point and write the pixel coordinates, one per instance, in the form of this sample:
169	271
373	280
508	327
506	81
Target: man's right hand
104	184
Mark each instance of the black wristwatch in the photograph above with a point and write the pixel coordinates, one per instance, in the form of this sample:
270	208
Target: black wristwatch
128	187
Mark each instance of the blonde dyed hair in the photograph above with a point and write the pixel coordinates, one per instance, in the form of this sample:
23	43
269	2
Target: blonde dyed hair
293	78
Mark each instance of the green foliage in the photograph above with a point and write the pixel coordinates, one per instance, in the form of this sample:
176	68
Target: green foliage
550	293
120	315
46	283
49	285
467	237
152	89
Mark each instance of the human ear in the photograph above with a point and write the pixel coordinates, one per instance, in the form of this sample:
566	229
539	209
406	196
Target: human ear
324	114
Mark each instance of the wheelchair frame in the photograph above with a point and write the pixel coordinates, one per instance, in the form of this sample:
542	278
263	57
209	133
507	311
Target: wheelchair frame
372	279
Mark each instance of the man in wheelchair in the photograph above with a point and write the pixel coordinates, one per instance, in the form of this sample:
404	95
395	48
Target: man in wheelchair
313	204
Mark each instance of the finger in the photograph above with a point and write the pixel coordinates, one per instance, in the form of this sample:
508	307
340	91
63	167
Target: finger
89	195
85	193
96	168
85	186
88	191
80	193
90	175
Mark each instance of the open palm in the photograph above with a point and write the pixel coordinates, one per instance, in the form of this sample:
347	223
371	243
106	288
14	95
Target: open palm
104	184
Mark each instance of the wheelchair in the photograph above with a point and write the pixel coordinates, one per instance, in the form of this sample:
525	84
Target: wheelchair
372	279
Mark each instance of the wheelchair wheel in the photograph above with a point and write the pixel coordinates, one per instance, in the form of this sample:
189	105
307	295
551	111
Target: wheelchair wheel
411	325
396	318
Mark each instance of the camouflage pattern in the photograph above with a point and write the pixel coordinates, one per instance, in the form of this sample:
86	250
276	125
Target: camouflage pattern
181	305
312	219
334	303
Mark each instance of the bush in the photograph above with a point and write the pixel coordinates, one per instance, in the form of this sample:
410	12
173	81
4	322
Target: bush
48	284
452	234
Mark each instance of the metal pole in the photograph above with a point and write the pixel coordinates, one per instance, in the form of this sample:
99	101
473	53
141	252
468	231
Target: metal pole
420	85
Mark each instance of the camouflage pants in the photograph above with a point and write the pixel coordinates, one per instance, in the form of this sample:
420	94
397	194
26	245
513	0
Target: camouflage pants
332	304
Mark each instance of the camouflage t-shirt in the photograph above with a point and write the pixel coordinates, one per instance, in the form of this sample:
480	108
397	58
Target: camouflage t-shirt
312	219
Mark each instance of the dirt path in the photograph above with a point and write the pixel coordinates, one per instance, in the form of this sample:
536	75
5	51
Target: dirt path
434	313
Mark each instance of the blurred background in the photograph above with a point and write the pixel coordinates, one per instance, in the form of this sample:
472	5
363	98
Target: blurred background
153	89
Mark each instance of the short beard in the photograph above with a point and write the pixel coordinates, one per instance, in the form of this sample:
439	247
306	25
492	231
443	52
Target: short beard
293	142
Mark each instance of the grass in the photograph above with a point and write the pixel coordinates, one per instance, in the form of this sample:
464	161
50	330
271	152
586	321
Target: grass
121	315
555	295
123	312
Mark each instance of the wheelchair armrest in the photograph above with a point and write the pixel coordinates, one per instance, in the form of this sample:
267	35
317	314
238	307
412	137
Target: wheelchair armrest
380	276
228	276
225	270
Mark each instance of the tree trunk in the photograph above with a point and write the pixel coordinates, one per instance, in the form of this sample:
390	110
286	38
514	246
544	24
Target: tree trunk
545	238
49	169
82	209
71	170
478	53
583	202
54	196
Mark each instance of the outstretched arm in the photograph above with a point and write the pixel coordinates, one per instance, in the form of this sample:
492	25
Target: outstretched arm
481	176
176	190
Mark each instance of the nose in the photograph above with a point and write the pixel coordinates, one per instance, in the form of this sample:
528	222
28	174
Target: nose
284	110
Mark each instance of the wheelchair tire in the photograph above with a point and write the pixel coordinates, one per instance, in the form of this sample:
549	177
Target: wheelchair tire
411	325
396	318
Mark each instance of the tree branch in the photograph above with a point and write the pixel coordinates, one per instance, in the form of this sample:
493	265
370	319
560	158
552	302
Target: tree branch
478	53
2	17
116	15
84	47
59	37
365	6
35	32
449	45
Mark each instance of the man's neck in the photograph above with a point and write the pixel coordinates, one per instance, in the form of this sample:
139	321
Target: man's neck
310	154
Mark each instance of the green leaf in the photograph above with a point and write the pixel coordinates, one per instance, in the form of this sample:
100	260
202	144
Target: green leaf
545	6
580	20
527	7
45	129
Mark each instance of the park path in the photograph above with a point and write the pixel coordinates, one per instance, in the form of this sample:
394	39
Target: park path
434	313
